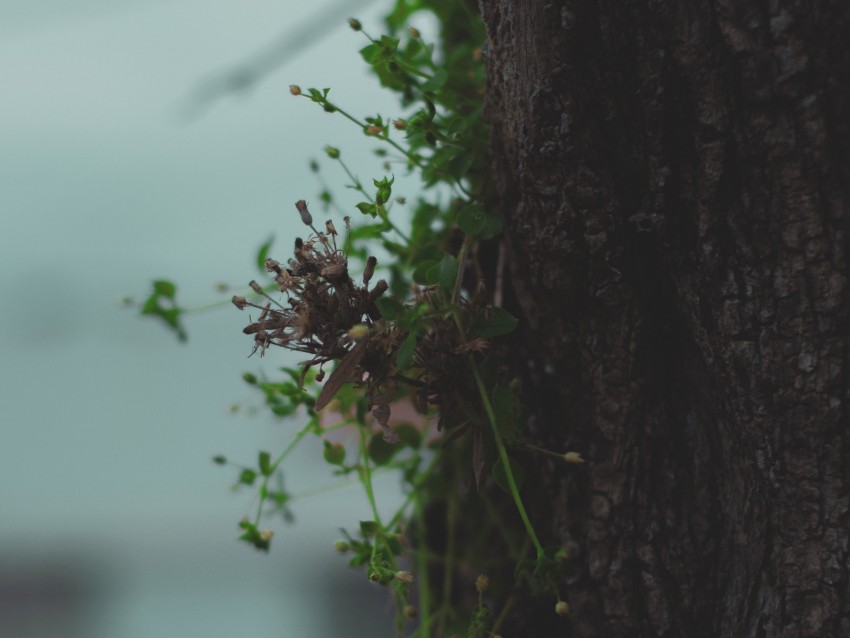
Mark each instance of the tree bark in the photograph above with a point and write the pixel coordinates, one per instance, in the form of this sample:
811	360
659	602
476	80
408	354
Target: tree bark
675	183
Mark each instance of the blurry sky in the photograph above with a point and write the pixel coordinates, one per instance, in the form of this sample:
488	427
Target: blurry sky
110	509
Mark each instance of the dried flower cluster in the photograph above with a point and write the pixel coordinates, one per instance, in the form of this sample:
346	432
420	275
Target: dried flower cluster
333	318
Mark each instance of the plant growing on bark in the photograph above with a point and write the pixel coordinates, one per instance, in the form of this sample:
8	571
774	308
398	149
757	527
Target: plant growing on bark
428	336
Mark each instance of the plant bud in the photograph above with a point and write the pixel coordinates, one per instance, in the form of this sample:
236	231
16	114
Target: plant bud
369	270
400	124
295	89
239	302
306	217
332	152
330	228
404	577
573	457
380	288
272	265
347	221
482	583
562	608
355	24
341	547
359	331
372	129
266	535
414	32
256	287
410	611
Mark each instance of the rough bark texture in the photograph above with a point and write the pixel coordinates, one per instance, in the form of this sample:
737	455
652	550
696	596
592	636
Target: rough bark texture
675	178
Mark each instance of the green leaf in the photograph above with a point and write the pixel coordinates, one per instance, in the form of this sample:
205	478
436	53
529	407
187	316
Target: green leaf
263	253
420	274
247	477
472	219
390	308
405	351
164	288
501	477
334	453
444	273
379	450
265	463
496	322
369	528
409	435
436	82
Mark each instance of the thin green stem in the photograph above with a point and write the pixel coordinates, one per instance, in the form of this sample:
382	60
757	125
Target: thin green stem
461	261
367	477
280	458
358	185
503	456
500	445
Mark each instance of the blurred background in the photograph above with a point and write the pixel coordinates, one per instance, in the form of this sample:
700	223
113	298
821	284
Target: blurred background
125	156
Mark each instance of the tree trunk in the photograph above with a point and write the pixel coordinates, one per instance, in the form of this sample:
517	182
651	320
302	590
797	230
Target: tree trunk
675	181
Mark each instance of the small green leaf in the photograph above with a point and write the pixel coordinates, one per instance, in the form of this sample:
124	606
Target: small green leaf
501	477
420	274
497	321
164	288
379	450
472	219
390	308
409	435
405	351
265	463
369	528
263	253
334	453
219	459
247	477
444	273
435	82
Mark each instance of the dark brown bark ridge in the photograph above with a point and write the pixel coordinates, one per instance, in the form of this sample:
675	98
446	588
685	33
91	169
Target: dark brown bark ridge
675	180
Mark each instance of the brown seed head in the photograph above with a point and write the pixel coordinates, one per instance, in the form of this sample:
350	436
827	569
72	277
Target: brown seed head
372	129
400	124
273	266
295	89
330	228
369	270
306	217
256	287
239	302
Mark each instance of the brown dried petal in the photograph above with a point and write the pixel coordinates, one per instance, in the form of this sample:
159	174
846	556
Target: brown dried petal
343	373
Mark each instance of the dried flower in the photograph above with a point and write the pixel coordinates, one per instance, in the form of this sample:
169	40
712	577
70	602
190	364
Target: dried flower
295	89
400	124
369	270
373	129
306	217
403	577
239	302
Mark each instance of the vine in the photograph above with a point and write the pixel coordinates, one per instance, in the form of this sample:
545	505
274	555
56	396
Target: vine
426	334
